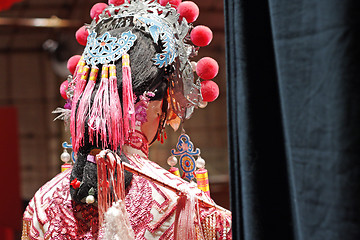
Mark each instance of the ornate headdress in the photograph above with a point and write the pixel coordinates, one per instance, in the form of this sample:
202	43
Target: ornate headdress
169	28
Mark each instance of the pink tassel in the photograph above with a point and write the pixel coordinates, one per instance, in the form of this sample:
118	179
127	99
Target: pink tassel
79	67
185	217
99	117
106	166
84	108
80	83
116	139
111	198
128	97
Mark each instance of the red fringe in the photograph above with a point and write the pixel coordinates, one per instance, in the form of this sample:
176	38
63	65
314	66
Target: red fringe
128	97
99	116
106	167
84	109
185	218
117	139
80	81
79	87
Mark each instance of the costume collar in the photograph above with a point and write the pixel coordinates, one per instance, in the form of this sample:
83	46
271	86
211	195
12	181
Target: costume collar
138	141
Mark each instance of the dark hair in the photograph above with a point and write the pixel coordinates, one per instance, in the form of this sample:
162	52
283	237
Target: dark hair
145	77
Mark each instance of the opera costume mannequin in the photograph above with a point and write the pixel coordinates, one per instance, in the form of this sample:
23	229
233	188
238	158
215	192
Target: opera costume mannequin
115	112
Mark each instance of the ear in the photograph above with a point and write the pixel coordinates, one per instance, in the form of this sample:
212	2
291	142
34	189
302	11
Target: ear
153	115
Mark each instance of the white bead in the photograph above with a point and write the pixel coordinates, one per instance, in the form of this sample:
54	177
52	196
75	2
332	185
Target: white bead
65	156
193	65
172	161
90	199
200	162
202	104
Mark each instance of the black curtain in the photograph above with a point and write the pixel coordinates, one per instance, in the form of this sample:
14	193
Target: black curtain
293	75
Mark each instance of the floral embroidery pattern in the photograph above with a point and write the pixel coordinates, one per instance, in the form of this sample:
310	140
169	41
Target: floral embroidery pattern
106	49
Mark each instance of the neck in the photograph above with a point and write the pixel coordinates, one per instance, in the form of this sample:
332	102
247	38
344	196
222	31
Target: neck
137	144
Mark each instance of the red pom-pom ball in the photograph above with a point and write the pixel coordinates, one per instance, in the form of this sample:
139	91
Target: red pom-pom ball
116	2
97	9
207	68
63	88
209	90
81	35
201	36
72	62
174	3
188	10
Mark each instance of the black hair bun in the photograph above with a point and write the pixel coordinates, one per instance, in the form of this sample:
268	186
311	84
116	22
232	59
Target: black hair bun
86	172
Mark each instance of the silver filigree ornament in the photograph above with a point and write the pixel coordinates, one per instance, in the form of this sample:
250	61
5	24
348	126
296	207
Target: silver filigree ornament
162	23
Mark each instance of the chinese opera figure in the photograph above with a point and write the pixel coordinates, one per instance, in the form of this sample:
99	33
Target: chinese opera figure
134	77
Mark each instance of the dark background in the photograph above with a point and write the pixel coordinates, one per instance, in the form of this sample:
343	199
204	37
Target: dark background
293	104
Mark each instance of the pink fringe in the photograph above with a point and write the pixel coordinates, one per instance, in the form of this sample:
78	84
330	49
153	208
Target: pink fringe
185	217
84	109
128	97
80	81
106	167
79	87
117	139
99	117
105	118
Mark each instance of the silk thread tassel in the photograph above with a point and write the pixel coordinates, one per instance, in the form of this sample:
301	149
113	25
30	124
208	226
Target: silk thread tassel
84	108
116	139
185	217
99	117
111	199
80	82
128	97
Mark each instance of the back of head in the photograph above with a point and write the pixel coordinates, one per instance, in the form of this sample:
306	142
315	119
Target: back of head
145	77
